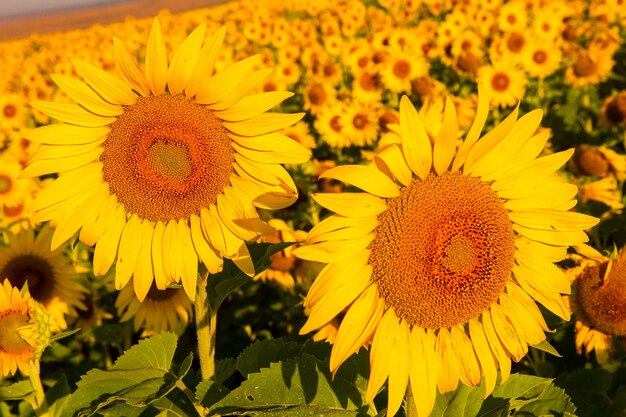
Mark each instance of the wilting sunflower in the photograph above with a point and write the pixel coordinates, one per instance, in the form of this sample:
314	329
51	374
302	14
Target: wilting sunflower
599	302
17	338
161	310
52	280
165	165
442	258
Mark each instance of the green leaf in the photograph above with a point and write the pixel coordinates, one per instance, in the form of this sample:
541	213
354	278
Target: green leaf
224	368
552	399
302	386
590	390
464	401
261	353
142	375
220	285
548	348
63	335
17	391
210	392
57	396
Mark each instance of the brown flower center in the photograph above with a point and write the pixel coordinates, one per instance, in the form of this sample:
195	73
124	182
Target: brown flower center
167	157
11	342
616	109
335	124
387	118
584	66
443	251
591	161
500	81
34	270
5	184
516	42
9	110
359	121
540	57
601	299
401	69
317	95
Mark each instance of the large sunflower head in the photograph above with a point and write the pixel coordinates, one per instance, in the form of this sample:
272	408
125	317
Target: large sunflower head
52	280
442	257
166	164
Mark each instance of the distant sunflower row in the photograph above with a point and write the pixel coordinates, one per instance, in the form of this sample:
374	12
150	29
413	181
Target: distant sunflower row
390	85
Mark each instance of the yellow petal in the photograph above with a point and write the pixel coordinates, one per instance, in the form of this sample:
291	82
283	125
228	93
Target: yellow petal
341	228
251	82
210	223
253	105
398	365
93	229
50	166
263	124
113	89
423	370
206	62
357	326
351	204
185	60
333	303
392	163
240	216
449	371
415	142
490	140
528	329
222	84
85	96
130	243
189	260
106	248
541	292
160	278
445	144
527	174
243	260
380	359
553	237
553	197
364	177
128	67
507	334
469	367
79	212
271	148
334	250
144	271
68	184
488	363
546	219
72	113
156	59
209	256
64	134
171	252
505	154
482	111
496	346
63	151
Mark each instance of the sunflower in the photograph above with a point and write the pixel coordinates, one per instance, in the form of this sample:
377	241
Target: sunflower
441	258
13	190
52	280
284	267
17	339
606	190
589	66
360	123
13	114
166	166
504	81
161	310
541	59
599	301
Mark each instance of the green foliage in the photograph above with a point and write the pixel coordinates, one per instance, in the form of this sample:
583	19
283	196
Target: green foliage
596	391
144	375
17	391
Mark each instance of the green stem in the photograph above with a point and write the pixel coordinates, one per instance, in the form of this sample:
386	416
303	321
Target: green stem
206	320
40	405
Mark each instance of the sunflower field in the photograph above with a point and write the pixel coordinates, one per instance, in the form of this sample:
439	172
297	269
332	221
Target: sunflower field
290	208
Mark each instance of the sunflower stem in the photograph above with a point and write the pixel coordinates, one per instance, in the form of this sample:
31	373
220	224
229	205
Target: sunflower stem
206	320
39	404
